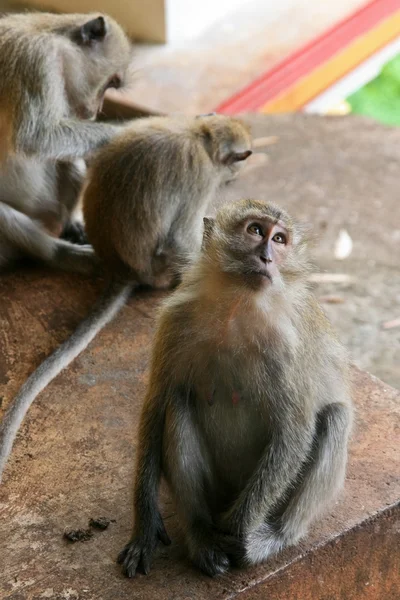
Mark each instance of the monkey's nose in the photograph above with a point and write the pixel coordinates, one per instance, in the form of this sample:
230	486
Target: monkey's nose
266	259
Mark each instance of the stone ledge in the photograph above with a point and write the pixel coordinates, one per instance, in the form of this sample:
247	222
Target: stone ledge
74	460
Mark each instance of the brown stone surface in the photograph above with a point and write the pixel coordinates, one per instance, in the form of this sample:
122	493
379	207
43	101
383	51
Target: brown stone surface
74	460
74	456
363	563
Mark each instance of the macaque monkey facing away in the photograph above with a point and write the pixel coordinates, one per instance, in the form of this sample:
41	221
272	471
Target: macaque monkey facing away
248	411
54	71
147	192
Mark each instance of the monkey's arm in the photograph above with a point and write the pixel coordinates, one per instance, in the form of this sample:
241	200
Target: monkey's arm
68	139
279	466
149	527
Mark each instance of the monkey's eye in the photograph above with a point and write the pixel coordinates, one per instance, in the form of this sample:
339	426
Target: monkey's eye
279	238
255	229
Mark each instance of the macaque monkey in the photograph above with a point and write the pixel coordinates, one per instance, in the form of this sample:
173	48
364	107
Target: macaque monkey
248	411
54	71
143	204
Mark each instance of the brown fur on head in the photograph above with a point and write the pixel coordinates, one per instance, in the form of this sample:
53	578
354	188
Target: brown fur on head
64	61
100	54
227	146
256	241
95	54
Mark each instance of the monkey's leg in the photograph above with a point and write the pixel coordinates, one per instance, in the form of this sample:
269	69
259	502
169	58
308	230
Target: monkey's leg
70	139
279	467
188	471
322	478
24	234
149	526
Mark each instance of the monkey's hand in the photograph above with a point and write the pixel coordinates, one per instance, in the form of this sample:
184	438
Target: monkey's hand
137	554
75	233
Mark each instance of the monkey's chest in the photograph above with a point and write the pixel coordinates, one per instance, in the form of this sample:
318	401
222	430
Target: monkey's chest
234	424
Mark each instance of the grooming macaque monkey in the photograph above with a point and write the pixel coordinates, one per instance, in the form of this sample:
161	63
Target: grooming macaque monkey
147	192
248	410
54	71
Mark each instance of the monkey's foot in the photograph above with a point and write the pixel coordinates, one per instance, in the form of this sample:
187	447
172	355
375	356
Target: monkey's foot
75	233
211	560
214	552
74	258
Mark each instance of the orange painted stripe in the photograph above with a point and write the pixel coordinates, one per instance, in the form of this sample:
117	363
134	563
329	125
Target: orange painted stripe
310	86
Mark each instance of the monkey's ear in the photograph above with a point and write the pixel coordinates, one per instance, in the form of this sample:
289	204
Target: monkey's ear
93	30
209	223
234	157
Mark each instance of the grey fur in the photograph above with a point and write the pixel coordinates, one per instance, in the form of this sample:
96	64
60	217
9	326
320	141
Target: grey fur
49	82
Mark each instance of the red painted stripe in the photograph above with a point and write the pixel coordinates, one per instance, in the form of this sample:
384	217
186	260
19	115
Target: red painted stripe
298	64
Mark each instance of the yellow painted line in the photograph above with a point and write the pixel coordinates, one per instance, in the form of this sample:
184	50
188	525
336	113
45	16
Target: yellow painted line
331	71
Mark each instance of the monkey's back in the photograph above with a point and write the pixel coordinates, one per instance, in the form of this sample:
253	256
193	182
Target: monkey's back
138	196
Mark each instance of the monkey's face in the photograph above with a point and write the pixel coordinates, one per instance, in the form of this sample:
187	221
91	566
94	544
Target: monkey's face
228	142
233	161
255	241
259	248
96	60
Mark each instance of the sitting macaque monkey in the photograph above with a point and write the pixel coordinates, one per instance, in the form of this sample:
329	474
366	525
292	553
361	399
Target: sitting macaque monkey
146	195
54	72
248	409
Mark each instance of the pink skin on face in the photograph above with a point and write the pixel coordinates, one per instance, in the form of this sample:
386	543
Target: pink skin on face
270	241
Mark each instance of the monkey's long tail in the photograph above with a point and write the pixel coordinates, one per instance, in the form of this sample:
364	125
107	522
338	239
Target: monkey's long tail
108	305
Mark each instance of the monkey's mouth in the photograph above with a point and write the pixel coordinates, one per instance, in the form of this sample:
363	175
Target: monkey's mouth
261	273
114	82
